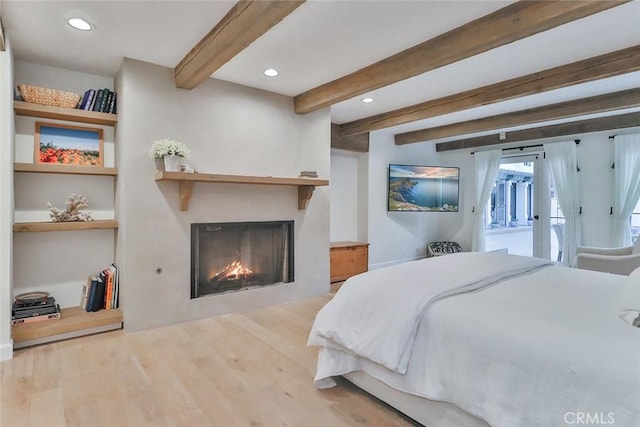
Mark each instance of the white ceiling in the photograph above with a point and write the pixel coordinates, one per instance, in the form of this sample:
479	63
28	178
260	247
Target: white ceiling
319	42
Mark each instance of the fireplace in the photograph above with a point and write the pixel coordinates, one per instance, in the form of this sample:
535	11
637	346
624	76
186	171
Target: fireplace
234	256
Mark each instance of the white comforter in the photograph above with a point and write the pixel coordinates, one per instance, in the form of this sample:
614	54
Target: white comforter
526	352
376	315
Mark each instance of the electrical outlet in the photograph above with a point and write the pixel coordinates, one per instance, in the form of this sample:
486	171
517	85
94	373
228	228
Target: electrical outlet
503	136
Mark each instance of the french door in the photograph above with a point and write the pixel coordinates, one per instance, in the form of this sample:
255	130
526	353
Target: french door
517	214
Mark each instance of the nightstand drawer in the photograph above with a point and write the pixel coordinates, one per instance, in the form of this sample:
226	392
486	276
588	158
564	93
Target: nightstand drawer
348	259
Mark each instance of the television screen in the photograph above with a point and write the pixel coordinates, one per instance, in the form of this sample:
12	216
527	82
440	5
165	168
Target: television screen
423	188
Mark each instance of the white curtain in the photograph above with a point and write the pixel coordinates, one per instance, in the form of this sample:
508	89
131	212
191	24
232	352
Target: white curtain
626	186
563	164
487	164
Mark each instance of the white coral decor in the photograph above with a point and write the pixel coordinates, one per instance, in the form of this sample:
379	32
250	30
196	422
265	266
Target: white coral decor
168	147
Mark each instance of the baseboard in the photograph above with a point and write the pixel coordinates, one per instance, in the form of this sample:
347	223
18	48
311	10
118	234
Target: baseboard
6	350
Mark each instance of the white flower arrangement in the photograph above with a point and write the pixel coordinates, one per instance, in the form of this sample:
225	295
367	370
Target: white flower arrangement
167	147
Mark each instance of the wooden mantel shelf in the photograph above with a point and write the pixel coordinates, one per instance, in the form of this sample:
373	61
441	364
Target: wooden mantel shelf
306	186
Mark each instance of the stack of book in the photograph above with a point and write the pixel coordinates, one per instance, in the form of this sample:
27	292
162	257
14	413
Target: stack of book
102	290
308	174
101	100
45	309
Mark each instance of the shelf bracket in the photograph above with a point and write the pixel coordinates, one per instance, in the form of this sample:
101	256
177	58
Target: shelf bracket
185	190
304	195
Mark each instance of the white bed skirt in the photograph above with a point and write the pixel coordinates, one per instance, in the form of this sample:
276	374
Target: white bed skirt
427	412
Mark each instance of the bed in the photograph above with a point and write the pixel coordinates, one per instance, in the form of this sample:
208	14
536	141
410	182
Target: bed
477	339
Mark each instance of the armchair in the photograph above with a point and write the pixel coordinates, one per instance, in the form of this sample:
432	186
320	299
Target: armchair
617	261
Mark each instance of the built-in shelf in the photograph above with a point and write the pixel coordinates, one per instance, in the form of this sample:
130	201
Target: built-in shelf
63	169
306	186
73	322
64	226
22	108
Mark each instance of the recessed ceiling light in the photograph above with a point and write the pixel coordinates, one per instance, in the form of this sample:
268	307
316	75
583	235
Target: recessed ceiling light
270	72
367	100
79	24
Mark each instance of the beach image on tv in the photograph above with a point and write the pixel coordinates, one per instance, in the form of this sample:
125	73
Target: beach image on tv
423	188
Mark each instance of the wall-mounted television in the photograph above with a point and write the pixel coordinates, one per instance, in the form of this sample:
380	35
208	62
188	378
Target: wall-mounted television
413	188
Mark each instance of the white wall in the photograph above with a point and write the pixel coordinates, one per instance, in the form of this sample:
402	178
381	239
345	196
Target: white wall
230	129
349	190
401	236
59	262
6	200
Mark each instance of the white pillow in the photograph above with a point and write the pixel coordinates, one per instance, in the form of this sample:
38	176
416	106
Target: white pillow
630	293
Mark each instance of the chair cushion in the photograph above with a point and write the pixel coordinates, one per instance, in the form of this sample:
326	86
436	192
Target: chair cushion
443	248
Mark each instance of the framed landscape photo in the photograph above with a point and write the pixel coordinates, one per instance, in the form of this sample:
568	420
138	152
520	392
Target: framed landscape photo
68	145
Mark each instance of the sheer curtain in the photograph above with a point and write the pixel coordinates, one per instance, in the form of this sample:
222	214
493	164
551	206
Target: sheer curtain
487	164
563	164
626	186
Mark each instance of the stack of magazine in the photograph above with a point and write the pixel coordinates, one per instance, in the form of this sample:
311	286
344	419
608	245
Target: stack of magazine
35	311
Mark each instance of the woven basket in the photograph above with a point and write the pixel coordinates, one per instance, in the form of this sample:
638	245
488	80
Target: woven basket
44	96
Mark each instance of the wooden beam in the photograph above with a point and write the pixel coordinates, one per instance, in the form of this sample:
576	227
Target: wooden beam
358	143
599	67
241	26
579	107
511	23
564	129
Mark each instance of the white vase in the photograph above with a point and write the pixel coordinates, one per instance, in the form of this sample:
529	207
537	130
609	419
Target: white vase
172	163
159	164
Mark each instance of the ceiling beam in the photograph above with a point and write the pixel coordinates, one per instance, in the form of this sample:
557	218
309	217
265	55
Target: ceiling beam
511	23
579	107
608	65
242	25
358	143
564	129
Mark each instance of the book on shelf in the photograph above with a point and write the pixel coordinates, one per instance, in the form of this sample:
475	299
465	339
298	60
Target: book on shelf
86	104
116	285
112	104
94	294
99	100
34	319
96	104
35	311
102	291
108	292
86	289
103	102
84	99
28	313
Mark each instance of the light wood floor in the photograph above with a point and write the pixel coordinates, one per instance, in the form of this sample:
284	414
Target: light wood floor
244	369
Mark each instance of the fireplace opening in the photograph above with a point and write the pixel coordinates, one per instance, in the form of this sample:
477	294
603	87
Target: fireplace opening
233	256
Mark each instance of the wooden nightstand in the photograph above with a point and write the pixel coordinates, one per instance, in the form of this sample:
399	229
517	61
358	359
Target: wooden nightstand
348	259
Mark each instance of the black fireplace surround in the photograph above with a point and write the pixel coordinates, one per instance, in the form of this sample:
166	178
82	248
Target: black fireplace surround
234	256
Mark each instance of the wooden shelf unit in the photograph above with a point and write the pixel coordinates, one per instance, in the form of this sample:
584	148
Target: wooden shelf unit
347	259
306	186
73	322
63	169
65	226
22	108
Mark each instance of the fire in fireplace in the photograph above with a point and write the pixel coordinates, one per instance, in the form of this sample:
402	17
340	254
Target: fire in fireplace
236	256
234	276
